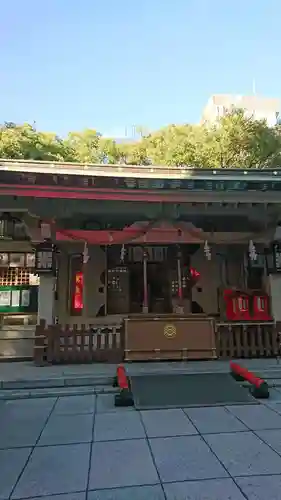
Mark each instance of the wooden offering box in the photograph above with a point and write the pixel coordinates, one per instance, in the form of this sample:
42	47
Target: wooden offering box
170	337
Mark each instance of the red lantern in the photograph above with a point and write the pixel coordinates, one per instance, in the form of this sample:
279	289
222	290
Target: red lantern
237	306
195	275
261	308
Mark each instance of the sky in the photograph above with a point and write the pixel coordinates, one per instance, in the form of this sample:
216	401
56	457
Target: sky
112	65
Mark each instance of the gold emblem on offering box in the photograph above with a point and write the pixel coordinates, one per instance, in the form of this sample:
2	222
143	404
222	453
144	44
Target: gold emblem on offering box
170	331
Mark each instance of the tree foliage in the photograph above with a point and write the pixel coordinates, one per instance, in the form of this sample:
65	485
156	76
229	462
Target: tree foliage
236	141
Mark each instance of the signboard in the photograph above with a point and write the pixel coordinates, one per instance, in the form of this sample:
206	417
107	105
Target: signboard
17	259
44	258
128	183
273	258
276	251
5	298
18	299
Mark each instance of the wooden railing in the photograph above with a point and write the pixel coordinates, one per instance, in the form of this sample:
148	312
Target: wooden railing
70	344
247	340
105	343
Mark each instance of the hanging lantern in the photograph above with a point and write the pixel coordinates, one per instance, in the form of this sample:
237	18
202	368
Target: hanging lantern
7	226
252	251
122	253
85	253
207	250
193	273
45	231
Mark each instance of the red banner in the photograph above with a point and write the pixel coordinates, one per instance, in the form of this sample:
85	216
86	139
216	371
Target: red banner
78	291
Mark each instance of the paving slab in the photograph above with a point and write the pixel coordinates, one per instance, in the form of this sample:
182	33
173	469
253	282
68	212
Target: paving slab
272	381
272	437
71	405
12	463
134	492
54	469
243	454
67	429
274	395
214	489
121	463
105	404
256	417
68	496
129	443
260	487
164	423
20	430
113	426
38	406
273	405
214	419
185	458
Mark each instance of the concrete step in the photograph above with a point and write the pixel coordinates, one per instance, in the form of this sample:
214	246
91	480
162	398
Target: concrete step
272	382
56	382
49	392
27	377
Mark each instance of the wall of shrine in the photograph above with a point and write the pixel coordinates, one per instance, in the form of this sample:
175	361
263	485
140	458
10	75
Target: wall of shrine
95	295
205	292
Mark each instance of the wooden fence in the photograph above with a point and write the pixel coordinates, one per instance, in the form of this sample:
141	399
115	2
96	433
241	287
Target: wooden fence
70	344
105	343
247	340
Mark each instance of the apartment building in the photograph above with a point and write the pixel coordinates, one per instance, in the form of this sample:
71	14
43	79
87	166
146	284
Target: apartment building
260	108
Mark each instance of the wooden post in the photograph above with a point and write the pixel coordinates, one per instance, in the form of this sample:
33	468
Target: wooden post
180	308
39	344
84	274
180	295
105	281
145	290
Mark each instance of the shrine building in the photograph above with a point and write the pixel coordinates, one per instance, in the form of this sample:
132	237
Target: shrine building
125	262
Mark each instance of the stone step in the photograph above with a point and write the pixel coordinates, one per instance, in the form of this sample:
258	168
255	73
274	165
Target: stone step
272	382
56	382
48	392
90	377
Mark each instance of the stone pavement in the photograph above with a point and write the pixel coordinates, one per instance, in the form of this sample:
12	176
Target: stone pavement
82	447
26	370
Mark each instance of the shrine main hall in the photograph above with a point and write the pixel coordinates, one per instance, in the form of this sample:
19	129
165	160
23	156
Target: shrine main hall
125	262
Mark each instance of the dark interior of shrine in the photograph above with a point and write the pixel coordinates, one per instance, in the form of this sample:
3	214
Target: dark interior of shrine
161	277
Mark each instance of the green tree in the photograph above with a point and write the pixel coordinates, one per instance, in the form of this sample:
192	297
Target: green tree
84	146
236	141
176	145
135	153
109	151
241	142
25	142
